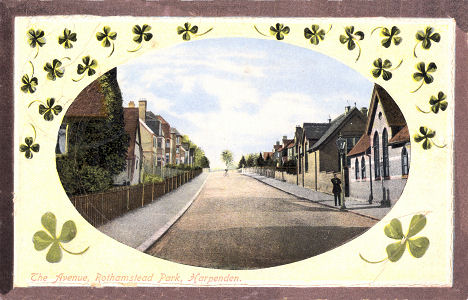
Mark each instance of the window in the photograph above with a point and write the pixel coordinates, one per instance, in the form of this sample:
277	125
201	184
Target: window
386	167
178	140
404	161
168	143
306	162
363	168
154	141
159	143
167	157
136	165
356	168
376	155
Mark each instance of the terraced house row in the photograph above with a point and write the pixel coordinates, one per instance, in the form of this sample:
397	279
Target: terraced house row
377	152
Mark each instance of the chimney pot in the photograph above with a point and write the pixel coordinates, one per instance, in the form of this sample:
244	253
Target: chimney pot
347	109
131	104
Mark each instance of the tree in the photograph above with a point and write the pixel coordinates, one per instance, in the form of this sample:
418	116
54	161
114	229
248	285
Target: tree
204	162
242	162
226	156
260	160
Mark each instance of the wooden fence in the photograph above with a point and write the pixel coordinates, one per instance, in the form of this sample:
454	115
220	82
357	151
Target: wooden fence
100	208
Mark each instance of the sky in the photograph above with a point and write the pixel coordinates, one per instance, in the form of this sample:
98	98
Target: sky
241	94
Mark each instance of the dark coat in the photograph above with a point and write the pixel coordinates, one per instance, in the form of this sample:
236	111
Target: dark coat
336	185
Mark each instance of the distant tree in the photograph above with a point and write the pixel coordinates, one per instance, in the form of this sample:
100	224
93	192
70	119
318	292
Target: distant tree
204	162
260	160
250	161
227	158
268	161
242	162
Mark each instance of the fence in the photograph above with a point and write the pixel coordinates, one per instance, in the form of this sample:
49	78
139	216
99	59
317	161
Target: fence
271	171
100	208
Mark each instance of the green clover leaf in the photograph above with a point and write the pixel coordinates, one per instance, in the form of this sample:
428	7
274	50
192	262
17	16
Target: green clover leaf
186	31
380	69
390	35
43	239
425	38
351	38
29	147
67	38
36	39
29	85
49	110
426	136
417	247
423	74
279	30
437	103
88	65
315	34
141	33
54	70
106	36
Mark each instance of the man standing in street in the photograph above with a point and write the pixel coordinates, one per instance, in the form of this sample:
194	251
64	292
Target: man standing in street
336	189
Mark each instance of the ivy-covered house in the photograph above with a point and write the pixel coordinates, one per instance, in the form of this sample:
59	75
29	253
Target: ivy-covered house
92	143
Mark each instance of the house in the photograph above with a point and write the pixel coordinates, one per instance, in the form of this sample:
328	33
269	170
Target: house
176	140
156	126
185	153
321	159
379	162
166	133
148	138
277	153
131	174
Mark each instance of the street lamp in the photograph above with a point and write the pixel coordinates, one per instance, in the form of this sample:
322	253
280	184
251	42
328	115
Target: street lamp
341	146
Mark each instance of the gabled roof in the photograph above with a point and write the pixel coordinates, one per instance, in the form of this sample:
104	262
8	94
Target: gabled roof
165	127
361	146
390	108
313	131
276	147
131	120
401	137
89	103
335	125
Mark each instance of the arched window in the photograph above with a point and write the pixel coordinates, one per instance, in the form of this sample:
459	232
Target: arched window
363	168
356	168
376	155
386	165
404	161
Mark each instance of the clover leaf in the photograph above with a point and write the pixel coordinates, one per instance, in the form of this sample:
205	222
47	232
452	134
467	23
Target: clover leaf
426	137
380	69
141	33
67	38
54	70
437	103
36	39
106	36
315	34
29	147
279	30
43	239
425	38
88	65
186	31
417	247
29	85
423	74
49	110
351	38
389	36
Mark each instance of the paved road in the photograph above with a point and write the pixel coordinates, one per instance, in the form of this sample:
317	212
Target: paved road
238	222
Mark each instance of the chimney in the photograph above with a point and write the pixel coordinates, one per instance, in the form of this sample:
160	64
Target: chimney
131	104
277	143
364	111
285	137
142	110
347	109
329	119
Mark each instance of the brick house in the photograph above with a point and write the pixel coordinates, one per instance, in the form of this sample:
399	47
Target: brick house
321	159
380	160
176	141
167	144
148	137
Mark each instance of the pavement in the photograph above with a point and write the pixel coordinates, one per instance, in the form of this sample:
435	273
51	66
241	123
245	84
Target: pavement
355	206
142	227
238	222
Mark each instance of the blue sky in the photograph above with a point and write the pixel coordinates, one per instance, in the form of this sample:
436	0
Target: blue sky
241	94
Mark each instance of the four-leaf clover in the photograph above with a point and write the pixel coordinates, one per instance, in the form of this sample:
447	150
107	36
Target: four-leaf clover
423	74
54	70
186	31
351	38
49	110
29	147
43	239
380	69
140	34
67	38
417	246
106	36
426	38
390	35
279	30
426	137
88	65
36	39
315	34
436	103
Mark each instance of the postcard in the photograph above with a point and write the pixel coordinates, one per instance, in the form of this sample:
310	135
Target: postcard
233	152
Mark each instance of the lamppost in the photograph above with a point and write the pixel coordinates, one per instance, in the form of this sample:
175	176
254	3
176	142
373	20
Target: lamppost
341	146
385	201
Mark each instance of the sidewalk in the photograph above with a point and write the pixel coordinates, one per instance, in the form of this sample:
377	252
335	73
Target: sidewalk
373	211
141	227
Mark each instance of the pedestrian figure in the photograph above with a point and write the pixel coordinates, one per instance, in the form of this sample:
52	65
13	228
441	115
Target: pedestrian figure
225	172
336	189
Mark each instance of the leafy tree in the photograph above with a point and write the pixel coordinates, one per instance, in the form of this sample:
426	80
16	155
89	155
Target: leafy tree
260	160
204	162
226	156
242	162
